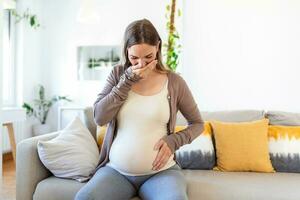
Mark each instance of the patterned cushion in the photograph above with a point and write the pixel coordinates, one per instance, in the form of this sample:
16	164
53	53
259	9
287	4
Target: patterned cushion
284	147
199	154
101	130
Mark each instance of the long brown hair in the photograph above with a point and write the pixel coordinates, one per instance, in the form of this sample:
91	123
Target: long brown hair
142	31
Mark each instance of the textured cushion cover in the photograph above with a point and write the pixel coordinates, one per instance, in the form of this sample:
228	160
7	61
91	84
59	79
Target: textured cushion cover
72	154
242	146
199	154
53	188
283	118
202	184
216	185
89	120
234	115
284	147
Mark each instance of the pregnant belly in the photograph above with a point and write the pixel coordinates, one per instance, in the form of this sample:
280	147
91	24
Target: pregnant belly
133	155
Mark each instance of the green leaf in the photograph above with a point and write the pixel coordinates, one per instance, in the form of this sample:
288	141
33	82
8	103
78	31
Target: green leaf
41	92
32	20
28	108
179	12
175	35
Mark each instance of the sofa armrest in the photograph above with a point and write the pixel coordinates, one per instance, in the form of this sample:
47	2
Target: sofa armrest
29	169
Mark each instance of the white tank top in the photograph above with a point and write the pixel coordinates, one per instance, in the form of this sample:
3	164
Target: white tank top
142	121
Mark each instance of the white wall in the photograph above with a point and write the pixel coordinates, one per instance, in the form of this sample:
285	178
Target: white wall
28	59
236	55
28	53
243	54
62	34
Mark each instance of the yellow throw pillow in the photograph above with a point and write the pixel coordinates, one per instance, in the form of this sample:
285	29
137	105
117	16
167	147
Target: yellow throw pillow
242	146
101	130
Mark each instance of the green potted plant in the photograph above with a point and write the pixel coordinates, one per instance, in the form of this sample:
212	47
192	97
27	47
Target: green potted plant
27	16
40	109
172	47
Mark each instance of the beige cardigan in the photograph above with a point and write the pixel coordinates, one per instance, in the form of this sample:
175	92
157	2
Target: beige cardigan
115	92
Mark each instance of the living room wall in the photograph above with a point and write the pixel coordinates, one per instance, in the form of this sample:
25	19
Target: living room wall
236	55
243	54
28	60
52	59
59	40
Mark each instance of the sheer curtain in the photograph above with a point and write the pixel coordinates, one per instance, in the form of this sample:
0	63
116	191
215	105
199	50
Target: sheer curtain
1	64
9	70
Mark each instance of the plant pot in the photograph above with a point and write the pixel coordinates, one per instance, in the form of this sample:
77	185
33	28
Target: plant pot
40	129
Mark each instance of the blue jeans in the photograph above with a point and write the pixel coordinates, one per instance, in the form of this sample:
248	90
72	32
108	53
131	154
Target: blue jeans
108	184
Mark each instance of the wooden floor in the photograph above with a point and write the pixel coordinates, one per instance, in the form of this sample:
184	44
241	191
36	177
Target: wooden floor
8	185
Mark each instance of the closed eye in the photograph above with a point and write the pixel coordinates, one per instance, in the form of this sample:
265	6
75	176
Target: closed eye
147	56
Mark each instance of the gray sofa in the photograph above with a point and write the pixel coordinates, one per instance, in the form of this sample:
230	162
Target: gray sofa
34	181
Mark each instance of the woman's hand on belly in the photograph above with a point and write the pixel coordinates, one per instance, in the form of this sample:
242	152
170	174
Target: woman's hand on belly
163	155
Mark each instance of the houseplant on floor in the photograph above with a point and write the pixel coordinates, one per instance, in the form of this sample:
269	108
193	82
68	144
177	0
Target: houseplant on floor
40	109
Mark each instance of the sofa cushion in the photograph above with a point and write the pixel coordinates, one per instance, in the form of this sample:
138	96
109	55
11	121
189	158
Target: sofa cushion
200	153
283	118
202	184
233	115
101	131
225	116
215	185
54	188
284	148
72	154
89	120
242	146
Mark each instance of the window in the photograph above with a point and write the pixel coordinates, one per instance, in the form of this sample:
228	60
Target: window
9	70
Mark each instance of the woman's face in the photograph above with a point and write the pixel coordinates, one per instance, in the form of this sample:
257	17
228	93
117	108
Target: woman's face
142	54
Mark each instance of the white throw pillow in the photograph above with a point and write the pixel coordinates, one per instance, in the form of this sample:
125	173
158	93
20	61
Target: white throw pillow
72	154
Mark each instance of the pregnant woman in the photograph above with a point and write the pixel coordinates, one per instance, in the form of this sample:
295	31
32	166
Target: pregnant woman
139	102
